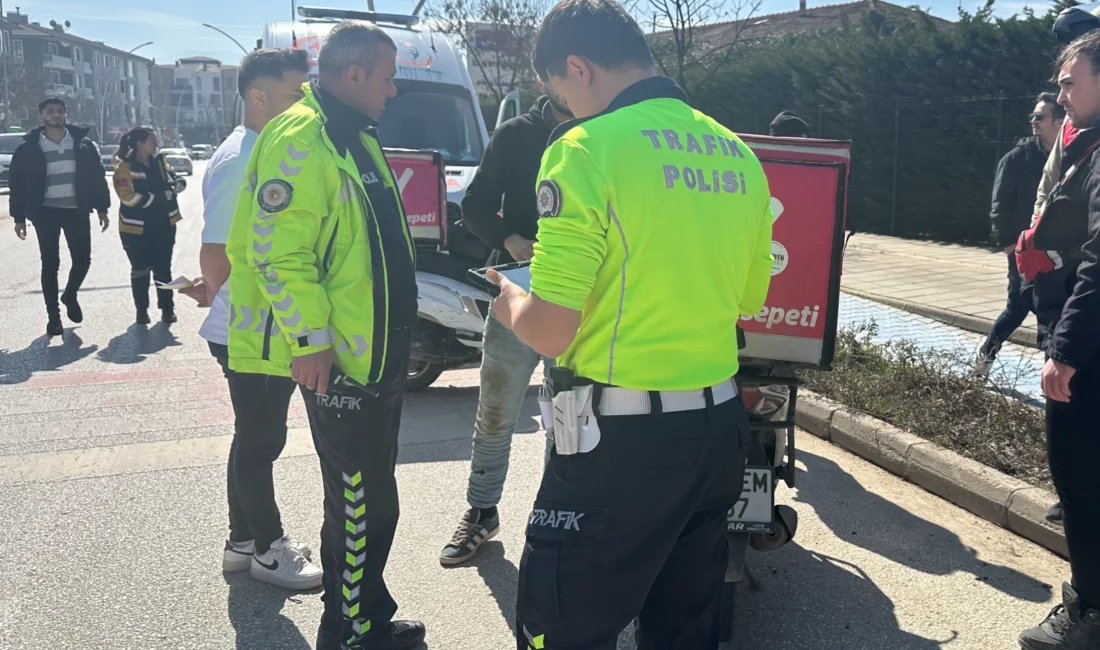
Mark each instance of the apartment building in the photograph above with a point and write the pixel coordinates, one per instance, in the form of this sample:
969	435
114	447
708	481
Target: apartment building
105	88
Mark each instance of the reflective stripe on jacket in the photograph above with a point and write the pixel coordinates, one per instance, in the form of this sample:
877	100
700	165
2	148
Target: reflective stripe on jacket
301	249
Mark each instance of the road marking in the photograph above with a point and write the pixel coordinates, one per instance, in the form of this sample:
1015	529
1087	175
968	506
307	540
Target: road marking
130	459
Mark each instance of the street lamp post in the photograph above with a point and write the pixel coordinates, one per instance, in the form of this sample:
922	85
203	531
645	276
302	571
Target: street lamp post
236	96
139	47
6	119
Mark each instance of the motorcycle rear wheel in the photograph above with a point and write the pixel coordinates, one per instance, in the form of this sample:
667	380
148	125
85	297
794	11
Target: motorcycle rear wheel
421	375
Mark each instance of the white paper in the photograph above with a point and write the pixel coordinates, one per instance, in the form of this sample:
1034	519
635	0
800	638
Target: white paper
177	284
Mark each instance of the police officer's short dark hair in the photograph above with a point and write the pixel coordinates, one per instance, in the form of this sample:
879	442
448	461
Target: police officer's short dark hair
51	102
1056	109
270	63
349	43
599	30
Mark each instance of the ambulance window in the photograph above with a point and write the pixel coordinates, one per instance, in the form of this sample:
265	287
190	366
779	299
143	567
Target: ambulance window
433	116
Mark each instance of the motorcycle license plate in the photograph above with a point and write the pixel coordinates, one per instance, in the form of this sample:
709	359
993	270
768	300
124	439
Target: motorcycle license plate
754	511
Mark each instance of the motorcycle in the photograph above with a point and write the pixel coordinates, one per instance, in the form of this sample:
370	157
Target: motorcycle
770	396
452	313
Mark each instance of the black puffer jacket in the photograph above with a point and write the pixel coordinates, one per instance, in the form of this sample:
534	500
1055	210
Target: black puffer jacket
28	176
1067	300
1014	189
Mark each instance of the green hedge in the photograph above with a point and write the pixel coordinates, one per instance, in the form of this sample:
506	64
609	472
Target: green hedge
954	100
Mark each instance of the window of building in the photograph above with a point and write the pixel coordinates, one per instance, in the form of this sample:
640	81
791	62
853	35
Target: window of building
89	81
202	100
129	68
17	50
217	84
133	93
198	84
122	87
55	77
51	48
78	54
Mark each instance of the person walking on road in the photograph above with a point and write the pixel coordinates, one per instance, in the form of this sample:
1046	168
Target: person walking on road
57	180
1070	226
322	288
148	214
630	517
1014	190
269	81
507	174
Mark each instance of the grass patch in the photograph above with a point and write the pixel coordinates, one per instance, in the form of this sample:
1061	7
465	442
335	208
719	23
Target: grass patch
935	395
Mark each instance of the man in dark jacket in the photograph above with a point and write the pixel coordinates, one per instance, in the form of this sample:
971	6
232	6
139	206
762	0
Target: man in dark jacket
57	180
1014	189
510	170
1068	304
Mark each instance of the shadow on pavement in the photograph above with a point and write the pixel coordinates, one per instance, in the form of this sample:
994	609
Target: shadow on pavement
255	611
137	342
871	522
39	356
811	601
83	290
501	576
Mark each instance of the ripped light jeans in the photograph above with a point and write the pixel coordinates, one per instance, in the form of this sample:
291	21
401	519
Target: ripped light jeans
506	368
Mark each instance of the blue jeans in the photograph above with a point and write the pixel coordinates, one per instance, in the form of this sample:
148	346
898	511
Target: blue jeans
506	368
1014	314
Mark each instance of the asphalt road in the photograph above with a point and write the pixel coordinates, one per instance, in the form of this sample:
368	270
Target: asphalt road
112	515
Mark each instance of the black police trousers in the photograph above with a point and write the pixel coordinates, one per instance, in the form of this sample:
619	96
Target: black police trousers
355	432
634	528
150	253
1073	449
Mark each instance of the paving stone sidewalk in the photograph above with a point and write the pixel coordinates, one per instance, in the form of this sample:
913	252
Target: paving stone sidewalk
961	285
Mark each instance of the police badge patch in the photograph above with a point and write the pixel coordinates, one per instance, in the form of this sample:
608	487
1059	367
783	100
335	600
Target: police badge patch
275	195
548	199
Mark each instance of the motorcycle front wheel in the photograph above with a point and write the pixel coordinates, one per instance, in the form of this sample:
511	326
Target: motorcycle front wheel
421	375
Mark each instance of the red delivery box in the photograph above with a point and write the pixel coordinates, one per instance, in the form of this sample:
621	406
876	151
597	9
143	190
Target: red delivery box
420	178
808	180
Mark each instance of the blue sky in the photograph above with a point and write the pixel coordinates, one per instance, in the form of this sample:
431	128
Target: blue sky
175	26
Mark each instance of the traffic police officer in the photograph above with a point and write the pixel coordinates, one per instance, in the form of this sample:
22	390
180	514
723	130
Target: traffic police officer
322	289
654	237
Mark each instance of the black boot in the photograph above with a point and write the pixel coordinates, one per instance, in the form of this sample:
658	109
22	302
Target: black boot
168	315
53	326
72	308
402	635
142	316
1069	626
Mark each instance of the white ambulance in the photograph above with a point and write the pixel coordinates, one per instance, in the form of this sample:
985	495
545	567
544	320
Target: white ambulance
436	107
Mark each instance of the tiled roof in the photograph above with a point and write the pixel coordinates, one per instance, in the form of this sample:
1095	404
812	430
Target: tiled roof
793	22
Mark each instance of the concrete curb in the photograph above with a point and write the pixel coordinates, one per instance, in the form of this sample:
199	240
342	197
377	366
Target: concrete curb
1007	502
968	322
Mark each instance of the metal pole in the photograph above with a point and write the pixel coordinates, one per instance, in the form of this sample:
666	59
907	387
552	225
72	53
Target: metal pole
4	55
139	47
1000	114
226	35
894	192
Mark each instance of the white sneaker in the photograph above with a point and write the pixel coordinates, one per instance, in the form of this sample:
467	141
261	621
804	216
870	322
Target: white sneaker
237	556
284	565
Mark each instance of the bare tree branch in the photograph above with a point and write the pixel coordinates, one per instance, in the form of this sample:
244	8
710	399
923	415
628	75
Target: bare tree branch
683	47
496	36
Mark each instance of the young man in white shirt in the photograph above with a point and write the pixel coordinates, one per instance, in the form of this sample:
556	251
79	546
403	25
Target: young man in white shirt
270	81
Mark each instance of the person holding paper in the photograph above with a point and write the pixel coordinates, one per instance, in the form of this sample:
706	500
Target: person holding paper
148	214
654	238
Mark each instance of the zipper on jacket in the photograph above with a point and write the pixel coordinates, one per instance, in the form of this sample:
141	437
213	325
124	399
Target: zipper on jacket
381	290
265	354
328	249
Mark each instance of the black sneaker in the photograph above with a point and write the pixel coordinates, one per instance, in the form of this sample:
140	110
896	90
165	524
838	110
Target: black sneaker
168	315
1069	626
53	327
72	309
1054	514
478	526
142	317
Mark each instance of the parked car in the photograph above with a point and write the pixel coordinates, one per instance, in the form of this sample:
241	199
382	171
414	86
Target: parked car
201	151
8	143
107	156
179	161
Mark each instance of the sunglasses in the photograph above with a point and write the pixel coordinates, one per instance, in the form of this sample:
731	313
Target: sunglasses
1036	117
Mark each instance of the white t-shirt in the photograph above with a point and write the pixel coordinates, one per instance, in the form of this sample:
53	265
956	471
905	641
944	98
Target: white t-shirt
221	186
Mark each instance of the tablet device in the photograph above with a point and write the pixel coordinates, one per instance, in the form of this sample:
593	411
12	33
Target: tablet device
519	273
